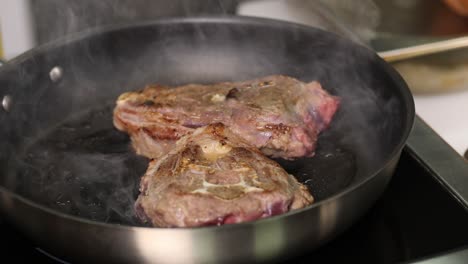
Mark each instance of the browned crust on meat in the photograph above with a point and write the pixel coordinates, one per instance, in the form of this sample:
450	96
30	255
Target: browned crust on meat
188	188
271	113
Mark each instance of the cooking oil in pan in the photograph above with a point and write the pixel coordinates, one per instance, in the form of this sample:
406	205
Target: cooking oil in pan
85	167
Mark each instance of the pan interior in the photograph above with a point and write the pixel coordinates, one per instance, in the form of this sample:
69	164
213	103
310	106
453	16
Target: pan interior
85	167
63	151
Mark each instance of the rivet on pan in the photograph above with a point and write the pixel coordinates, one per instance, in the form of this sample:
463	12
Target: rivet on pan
7	101
56	73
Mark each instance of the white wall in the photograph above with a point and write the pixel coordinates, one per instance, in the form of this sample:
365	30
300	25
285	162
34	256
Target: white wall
15	27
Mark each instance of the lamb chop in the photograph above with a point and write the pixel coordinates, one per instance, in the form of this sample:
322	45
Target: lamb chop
214	177
280	115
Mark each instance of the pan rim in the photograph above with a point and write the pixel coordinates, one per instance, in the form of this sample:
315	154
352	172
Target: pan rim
403	90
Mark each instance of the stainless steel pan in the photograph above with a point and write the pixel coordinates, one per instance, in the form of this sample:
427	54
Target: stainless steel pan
69	179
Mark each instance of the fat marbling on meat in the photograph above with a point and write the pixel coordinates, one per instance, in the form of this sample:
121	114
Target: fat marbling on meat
214	177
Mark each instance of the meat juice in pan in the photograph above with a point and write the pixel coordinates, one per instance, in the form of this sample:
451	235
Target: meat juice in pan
85	167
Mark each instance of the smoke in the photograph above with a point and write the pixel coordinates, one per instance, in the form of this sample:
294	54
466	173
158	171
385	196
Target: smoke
360	19
356	21
344	71
83	167
76	162
56	18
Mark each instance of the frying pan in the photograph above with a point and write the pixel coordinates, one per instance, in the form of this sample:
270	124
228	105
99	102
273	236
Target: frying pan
69	179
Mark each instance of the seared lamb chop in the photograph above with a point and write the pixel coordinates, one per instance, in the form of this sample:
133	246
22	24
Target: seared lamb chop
213	177
277	114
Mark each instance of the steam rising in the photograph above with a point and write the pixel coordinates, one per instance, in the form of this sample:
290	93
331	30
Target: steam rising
355	21
79	164
82	167
57	18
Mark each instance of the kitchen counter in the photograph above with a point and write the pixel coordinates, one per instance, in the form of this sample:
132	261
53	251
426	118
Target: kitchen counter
447	114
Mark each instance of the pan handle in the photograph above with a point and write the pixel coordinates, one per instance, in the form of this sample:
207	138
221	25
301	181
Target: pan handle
424	49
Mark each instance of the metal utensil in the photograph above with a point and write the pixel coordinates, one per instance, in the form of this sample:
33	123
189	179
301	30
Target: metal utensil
434	67
424	49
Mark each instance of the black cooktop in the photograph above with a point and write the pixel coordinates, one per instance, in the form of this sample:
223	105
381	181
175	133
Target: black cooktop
418	217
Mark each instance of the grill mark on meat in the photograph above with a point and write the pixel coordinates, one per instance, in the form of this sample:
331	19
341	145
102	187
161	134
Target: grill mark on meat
163	134
278	128
253	105
234	93
149	103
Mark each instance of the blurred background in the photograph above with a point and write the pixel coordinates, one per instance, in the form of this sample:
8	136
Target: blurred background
439	82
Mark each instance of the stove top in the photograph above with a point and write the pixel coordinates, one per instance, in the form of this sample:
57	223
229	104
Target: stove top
415	218
422	216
